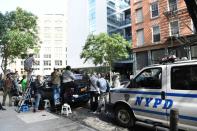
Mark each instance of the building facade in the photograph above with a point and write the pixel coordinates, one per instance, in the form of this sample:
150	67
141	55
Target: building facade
52	32
119	18
97	16
161	28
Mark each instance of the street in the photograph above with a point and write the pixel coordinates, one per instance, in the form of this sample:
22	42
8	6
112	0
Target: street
81	119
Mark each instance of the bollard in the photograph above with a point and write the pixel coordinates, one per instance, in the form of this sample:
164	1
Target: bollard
174	118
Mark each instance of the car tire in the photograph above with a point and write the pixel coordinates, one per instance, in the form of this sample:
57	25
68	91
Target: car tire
124	116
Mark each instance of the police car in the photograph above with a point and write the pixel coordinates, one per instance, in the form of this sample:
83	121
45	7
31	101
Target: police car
154	91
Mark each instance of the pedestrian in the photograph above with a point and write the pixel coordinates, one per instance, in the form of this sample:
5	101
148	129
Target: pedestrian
28	66
103	86
1	81
1	107
67	82
16	79
37	89
94	92
8	85
55	80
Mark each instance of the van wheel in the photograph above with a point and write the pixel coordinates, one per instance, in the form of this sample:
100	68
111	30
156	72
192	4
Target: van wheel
124	117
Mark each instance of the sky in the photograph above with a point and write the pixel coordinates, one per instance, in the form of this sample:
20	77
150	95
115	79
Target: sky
35	6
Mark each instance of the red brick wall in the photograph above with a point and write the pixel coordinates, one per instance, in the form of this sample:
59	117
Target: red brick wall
162	21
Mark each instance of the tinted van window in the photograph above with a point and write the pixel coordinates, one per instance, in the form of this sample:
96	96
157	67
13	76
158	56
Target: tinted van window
184	77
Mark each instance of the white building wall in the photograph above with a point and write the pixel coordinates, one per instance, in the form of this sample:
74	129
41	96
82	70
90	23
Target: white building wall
78	29
101	16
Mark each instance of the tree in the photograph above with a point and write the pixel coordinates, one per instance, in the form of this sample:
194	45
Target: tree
104	49
18	33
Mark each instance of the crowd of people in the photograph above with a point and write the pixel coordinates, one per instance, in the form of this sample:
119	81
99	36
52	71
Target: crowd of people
62	81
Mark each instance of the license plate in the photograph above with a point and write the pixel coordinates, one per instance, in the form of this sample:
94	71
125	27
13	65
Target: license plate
83	89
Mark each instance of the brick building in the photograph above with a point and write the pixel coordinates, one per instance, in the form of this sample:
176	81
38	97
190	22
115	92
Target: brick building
160	28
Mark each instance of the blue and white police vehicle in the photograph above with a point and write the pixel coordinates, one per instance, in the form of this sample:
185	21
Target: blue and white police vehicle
154	91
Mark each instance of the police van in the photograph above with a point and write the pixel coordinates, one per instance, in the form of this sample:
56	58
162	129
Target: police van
154	91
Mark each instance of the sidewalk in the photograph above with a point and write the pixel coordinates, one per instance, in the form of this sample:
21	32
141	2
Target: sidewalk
39	121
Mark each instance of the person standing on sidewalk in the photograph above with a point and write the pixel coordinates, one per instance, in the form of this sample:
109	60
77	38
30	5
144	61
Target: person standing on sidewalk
68	82
8	85
94	92
55	80
103	86
37	88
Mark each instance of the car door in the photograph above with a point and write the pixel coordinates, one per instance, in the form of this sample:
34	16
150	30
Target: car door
182	89
147	89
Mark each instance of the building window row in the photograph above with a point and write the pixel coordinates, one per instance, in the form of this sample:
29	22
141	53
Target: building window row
156	34
58	62
47	55
154	10
47	63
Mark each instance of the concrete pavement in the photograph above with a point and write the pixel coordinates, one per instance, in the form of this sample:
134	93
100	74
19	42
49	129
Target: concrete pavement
39	121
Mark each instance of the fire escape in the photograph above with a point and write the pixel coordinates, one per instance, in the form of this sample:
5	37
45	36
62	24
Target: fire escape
185	41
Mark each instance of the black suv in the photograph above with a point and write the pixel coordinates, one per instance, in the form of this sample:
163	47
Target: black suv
78	94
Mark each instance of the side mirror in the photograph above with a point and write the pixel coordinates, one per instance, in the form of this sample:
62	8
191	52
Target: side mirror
131	85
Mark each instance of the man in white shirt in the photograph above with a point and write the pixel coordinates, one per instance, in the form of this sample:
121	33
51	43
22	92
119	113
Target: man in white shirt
67	81
94	92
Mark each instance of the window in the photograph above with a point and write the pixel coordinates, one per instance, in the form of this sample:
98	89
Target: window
156	34
58	42
22	63
154	10
139	15
47	69
37	63
47	63
36	68
184	77
194	52
37	56
58	62
174	27
149	78
47	35
140	37
47	29
47	49
172	5
157	55
59	35
58	29
47	55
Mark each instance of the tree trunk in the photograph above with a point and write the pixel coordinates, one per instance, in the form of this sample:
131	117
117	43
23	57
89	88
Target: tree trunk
5	63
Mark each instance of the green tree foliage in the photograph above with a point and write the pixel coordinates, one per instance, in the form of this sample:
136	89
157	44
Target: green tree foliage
104	49
18	33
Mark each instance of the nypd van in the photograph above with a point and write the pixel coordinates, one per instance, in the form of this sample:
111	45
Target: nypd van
154	91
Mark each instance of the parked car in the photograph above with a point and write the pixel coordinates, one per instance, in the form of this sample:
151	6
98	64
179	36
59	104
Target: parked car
78	94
